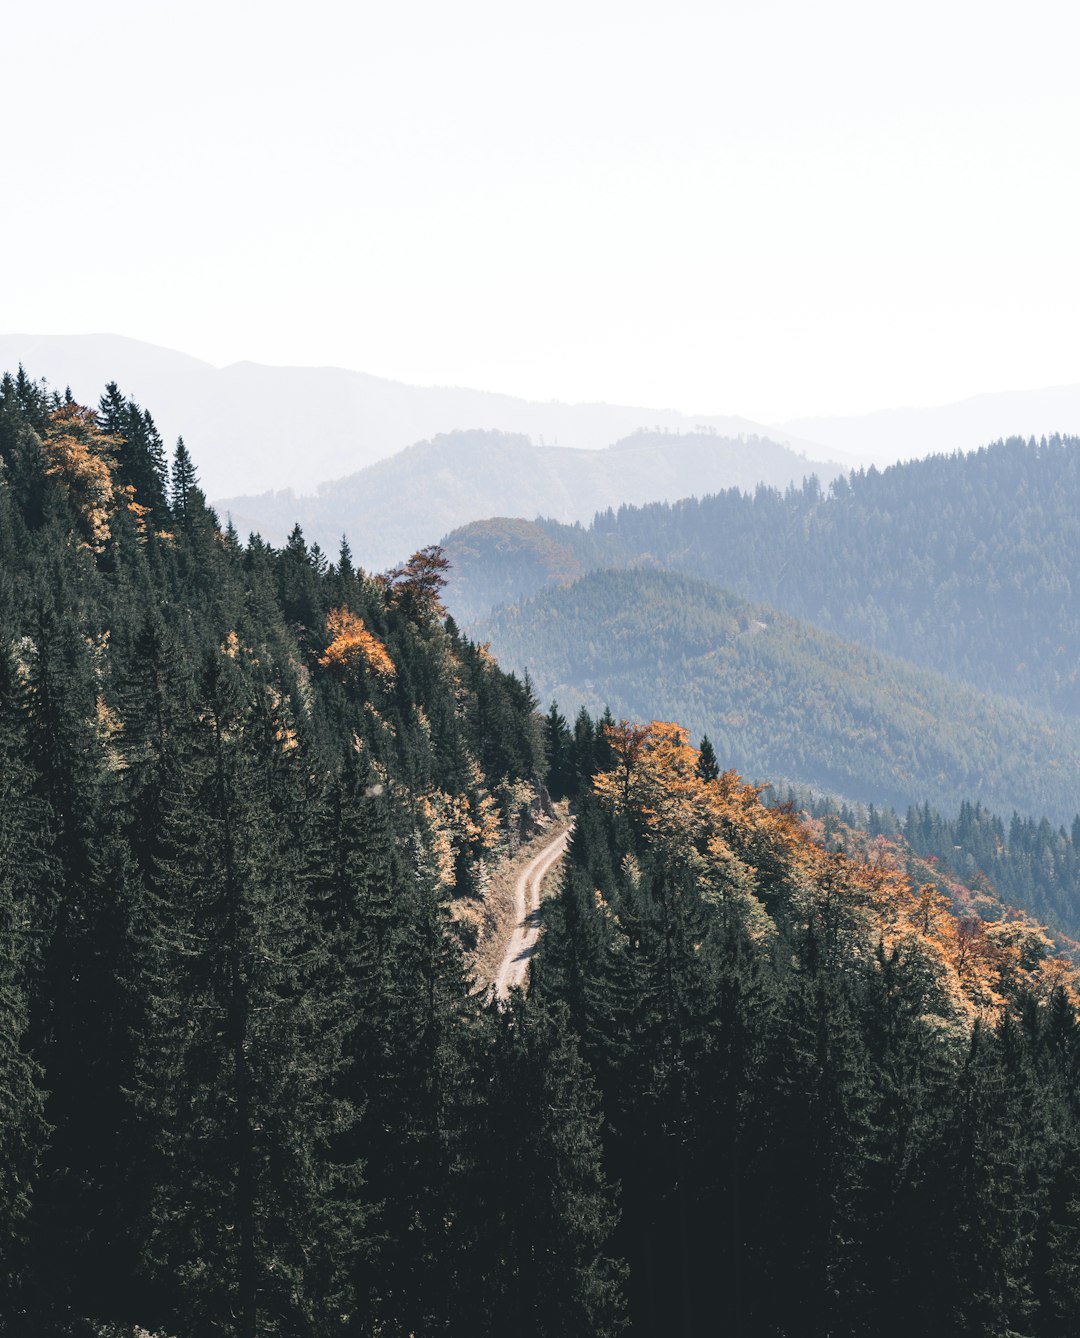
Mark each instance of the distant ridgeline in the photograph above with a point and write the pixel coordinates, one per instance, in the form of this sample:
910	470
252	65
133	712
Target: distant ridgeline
249	801
457	476
965	564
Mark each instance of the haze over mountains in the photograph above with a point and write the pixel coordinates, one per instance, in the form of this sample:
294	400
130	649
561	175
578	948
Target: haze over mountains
297	427
256	428
396	506
780	698
966	566
889	435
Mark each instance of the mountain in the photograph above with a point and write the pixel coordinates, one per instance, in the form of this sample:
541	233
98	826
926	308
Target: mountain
296	427
779	698
254	807
890	435
395	506
965	564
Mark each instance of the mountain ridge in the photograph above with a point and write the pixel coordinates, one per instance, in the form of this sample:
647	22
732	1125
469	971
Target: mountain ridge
966	564
453	477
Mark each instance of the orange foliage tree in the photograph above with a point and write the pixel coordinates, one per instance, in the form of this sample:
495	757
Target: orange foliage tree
80	457
353	647
417	585
741	849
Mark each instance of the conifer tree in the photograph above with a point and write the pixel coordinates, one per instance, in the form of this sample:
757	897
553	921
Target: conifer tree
540	1215
183	481
708	768
25	875
558	744
252	1220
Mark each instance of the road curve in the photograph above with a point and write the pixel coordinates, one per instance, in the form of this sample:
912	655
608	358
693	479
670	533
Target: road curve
522	945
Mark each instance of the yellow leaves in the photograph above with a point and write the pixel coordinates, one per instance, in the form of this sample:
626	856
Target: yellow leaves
748	855
488	828
654	777
138	511
460	825
440	845
929	912
353	647
79	457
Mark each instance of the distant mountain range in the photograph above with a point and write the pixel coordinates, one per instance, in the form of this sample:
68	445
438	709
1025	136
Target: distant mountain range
968	565
297	427
395	506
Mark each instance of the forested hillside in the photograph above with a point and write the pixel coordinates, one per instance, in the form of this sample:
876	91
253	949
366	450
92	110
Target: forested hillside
243	1086
833	1107
246	1084
965	564
779	698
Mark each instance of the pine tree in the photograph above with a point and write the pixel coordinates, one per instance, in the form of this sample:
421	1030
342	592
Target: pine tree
539	1214
183	481
708	768
25	876
251	1227
82	1007
558	744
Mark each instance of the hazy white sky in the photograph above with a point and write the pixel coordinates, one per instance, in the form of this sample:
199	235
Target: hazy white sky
768	208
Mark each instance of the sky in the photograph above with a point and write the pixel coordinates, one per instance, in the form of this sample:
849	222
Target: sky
773	209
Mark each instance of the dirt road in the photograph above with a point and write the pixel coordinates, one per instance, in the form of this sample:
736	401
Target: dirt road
522	945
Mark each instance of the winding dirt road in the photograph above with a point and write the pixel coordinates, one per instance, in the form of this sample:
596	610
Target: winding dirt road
522	945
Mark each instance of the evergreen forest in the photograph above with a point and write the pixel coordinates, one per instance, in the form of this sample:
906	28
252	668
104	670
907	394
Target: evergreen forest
762	1082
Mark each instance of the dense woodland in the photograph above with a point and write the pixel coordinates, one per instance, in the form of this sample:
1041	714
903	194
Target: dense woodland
1020	862
243	1085
780	698
757	1086
832	1105
966	564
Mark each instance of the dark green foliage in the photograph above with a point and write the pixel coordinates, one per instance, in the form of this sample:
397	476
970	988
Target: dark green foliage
543	1213
237	1057
245	1087
708	767
25	875
790	1129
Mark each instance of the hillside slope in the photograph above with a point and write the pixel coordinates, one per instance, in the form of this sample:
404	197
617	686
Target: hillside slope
245	1084
779	698
968	565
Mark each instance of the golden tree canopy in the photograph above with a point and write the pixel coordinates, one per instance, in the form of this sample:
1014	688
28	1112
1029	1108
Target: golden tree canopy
353	647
